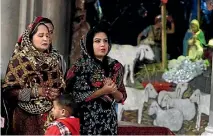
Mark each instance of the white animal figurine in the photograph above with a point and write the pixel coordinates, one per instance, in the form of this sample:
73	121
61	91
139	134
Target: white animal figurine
127	55
171	118
184	105
135	100
203	102
178	93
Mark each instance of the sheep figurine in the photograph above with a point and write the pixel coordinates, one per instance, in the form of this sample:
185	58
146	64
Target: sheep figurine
136	99
178	93
184	105
203	102
171	118
127	55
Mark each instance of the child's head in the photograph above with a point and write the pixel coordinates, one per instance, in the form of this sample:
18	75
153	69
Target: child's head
63	106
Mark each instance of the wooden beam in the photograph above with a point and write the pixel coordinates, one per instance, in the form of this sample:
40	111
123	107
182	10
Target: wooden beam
211	99
198	10
164	37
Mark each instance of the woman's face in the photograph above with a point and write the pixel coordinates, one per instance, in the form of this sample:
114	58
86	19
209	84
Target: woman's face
194	28
41	39
100	45
158	24
51	29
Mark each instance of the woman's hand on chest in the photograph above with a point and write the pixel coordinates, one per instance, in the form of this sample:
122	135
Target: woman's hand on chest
109	86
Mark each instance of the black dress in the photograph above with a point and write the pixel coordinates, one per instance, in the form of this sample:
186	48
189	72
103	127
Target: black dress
97	116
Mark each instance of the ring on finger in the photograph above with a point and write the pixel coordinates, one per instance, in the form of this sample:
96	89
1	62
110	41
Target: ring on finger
47	92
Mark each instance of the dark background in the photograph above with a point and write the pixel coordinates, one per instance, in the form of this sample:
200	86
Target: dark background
127	20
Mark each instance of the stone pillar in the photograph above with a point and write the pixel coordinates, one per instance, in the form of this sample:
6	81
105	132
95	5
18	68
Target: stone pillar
23	15
32	9
37	8
56	11
26	14
209	128
9	30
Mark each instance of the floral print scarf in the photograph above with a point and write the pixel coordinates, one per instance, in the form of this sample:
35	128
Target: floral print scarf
87	74
30	68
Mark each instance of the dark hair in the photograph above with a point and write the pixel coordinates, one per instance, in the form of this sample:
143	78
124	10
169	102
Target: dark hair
102	27
47	20
35	29
67	101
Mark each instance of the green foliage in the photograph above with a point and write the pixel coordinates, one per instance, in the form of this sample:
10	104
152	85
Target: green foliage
138	85
147	71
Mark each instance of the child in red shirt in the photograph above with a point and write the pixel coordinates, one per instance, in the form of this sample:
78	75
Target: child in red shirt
65	123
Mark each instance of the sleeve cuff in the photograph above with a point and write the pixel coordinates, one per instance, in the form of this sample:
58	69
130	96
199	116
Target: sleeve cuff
24	94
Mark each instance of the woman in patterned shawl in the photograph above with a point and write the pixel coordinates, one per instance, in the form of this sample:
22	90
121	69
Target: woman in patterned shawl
96	83
33	79
51	28
50	25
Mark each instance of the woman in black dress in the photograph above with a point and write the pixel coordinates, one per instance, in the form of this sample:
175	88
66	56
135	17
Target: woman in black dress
96	83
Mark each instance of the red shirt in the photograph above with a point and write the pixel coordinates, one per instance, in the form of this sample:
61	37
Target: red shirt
73	124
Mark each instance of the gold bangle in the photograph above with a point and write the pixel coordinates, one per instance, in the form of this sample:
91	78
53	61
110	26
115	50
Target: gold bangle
35	91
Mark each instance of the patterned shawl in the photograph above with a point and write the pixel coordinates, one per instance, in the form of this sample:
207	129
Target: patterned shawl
28	68
87	74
